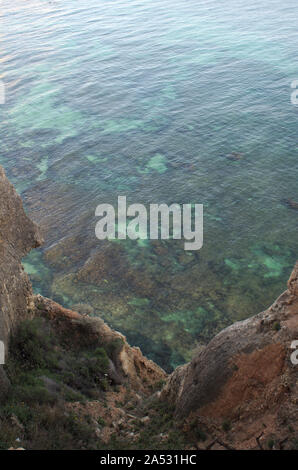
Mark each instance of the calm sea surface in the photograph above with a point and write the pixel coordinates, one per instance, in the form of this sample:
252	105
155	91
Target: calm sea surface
184	101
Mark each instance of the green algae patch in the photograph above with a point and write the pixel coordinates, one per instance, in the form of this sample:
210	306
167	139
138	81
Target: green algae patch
43	166
139	302
112	126
157	163
92	158
234	265
21	186
95	159
271	259
29	268
143	243
38	110
37	270
275	267
195	322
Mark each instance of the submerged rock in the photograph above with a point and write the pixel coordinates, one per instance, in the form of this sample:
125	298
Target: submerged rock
292	204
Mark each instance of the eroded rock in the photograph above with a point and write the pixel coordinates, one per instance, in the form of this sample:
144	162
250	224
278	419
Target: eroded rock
245	375
18	235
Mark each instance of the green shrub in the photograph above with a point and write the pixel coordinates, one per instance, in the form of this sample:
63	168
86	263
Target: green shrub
32	346
276	326
114	347
101	421
21	410
78	373
32	394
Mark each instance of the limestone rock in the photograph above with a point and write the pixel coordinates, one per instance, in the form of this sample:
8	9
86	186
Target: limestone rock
245	375
17	236
128	363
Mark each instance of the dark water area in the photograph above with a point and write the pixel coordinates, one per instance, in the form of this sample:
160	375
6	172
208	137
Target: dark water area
181	101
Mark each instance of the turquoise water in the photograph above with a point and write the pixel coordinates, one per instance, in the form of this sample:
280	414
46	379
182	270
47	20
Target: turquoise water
181	101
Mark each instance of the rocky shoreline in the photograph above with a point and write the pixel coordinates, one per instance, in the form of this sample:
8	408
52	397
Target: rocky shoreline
238	392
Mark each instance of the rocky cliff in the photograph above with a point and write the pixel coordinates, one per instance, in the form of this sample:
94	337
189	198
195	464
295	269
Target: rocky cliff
18	235
76	383
243	386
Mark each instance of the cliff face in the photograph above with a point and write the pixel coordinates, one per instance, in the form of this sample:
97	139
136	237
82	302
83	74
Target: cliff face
126	364
244	379
18	235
